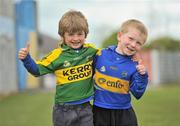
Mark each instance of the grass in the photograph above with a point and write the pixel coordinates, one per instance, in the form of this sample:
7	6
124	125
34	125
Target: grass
26	109
159	106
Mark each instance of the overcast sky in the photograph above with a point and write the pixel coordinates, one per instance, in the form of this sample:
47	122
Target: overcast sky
106	16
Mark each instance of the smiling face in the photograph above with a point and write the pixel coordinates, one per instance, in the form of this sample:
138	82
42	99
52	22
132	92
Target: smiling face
130	42
74	40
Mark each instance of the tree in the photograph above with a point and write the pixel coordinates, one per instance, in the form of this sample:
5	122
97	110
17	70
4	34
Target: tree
112	40
165	43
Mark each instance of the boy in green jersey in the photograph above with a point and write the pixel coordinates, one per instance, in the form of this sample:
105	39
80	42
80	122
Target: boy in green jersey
71	63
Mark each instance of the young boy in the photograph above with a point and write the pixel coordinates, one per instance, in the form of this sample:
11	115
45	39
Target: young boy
71	63
116	75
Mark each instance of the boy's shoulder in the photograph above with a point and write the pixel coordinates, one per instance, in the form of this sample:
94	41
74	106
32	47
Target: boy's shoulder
109	49
105	51
90	45
54	53
50	57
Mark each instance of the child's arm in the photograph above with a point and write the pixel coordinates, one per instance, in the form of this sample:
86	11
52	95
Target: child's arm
28	62
23	52
138	84
98	53
141	68
139	80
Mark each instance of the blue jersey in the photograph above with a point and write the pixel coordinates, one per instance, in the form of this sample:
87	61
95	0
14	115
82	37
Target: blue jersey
115	77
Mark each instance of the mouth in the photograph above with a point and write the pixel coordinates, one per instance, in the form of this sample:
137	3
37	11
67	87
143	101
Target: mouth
75	43
130	49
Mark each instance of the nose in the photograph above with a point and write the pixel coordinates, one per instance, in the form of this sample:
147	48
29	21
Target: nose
75	37
133	43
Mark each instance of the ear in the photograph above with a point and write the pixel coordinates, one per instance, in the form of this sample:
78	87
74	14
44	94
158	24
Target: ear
119	34
62	38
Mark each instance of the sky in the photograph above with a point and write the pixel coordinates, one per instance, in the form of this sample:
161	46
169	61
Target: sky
105	16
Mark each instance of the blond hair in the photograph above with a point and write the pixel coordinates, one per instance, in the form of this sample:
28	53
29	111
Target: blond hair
133	23
73	21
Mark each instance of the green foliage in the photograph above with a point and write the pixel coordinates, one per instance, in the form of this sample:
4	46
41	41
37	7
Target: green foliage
164	44
112	40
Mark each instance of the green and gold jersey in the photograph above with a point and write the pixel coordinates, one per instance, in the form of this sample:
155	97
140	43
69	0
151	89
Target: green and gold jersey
73	71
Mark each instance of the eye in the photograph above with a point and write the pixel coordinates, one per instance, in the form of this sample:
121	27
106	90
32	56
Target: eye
139	43
70	34
80	33
130	38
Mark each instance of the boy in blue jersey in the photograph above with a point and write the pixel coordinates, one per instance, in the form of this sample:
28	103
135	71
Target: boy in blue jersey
117	75
71	63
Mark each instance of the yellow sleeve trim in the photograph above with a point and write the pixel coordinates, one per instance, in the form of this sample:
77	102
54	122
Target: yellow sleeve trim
99	52
50	58
93	46
90	45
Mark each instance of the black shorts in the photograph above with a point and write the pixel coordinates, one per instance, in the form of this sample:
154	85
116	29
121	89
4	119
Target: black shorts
114	117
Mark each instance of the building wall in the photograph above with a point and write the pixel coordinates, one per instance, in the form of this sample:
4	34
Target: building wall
8	75
26	31
17	25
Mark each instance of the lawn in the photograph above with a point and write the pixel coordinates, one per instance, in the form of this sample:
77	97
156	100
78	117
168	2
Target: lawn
160	106
27	109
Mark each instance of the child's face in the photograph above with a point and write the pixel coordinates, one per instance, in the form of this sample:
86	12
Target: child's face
74	40
130	42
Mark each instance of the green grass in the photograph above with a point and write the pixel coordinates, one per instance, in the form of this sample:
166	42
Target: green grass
160	106
27	109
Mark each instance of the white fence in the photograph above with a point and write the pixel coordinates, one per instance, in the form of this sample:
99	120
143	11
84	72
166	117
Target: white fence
165	67
168	66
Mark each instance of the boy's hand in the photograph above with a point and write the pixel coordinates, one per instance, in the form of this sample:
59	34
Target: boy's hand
23	52
140	67
136	57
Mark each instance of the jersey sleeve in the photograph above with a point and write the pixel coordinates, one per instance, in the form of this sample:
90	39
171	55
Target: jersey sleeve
138	84
47	64
30	65
98	53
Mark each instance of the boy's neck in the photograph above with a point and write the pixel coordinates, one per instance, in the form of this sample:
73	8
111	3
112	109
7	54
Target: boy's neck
78	48
119	51
73	48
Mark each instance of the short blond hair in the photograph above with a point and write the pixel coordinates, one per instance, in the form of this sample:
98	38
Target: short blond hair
73	21
133	23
